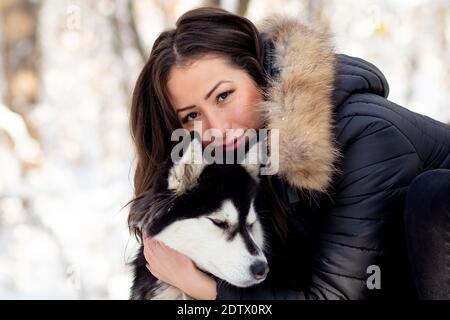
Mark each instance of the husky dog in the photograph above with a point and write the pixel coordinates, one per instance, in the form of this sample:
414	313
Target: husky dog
207	212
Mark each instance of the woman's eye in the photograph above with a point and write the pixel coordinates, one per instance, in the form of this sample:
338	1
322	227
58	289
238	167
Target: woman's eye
224	95
190	117
221	224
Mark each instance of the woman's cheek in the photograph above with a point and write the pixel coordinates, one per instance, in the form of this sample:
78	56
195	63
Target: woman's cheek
251	115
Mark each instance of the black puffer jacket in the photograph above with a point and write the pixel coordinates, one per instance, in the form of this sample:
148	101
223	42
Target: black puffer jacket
356	152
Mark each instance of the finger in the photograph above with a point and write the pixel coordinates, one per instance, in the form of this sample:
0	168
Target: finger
159	248
163	245
155	273
149	241
166	247
151	270
148	257
153	243
149	254
159	243
173	252
150	247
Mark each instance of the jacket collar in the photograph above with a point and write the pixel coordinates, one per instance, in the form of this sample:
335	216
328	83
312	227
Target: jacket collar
308	82
298	101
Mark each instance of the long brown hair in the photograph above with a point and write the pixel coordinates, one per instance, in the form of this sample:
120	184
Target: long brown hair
201	31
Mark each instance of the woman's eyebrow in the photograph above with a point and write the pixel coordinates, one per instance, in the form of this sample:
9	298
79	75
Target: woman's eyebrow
214	88
206	96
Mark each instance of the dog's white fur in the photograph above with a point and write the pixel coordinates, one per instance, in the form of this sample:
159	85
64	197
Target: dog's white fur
228	260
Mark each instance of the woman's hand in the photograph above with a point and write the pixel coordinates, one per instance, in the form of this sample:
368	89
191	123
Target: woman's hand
176	269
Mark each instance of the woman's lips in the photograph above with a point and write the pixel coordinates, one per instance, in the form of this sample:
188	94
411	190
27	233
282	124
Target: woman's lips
233	145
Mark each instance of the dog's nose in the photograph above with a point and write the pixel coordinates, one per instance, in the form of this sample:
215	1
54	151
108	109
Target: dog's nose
259	269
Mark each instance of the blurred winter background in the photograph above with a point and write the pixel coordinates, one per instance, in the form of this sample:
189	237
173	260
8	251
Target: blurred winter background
67	69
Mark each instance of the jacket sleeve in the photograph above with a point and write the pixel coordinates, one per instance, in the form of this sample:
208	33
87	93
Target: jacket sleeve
378	163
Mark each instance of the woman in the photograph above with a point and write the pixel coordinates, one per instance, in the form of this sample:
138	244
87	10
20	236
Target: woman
347	158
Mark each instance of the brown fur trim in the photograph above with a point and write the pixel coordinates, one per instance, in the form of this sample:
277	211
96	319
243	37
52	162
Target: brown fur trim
299	103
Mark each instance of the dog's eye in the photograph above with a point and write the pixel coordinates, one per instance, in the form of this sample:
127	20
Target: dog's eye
250	225
221	224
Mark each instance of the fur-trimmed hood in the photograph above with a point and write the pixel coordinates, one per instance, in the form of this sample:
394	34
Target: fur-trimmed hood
304	90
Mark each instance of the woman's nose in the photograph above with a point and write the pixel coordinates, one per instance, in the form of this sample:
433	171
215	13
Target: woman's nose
219	122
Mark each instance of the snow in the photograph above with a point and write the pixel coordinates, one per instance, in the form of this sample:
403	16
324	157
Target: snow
63	231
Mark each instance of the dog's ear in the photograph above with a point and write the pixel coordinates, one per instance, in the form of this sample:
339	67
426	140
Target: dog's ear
185	172
252	158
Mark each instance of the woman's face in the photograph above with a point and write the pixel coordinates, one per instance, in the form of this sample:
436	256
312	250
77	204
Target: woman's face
219	96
